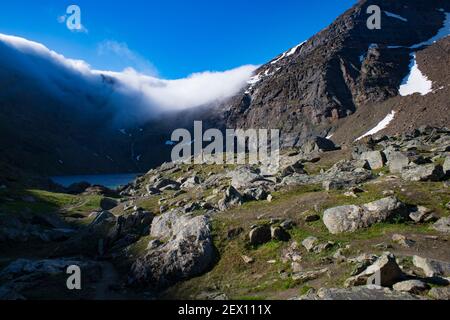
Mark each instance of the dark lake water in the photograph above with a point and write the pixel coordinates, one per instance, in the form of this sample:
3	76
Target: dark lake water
111	181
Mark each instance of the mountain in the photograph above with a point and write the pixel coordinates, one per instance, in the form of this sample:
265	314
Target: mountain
317	86
58	116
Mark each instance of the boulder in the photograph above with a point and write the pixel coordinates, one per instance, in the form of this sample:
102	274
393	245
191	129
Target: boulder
422	214
260	235
411	286
397	162
318	144
297	167
305	276
440	293
191	182
375	159
232	198
389	272
442	225
432	268
429	172
187	252
166	184
244	177
351	218
256	194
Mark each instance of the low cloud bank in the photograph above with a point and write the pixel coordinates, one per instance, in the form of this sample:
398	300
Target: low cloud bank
133	95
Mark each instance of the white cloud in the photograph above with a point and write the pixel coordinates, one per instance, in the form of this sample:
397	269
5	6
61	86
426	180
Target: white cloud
34	48
198	89
134	94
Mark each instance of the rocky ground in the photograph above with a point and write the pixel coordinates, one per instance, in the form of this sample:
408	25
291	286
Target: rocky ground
318	228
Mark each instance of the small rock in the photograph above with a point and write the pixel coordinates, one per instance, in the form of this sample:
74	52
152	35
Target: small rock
403	241
260	235
309	243
247	259
234	233
269	198
153	244
279	234
287	224
432	268
386	265
442	225
429	172
312	218
309	275
411	286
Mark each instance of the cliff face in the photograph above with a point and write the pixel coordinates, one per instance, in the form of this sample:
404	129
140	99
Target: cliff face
306	90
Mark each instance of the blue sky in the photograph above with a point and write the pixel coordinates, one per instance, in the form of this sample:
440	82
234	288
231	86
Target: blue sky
172	38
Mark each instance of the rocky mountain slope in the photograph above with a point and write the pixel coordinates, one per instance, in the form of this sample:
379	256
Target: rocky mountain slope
346	68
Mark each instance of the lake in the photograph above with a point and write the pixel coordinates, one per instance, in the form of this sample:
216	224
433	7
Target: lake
111	181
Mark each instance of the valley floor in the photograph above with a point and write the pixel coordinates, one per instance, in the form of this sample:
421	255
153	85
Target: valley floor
230	232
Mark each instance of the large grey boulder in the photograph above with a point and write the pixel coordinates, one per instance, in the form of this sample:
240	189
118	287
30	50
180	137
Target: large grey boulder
387	268
244	177
432	268
376	159
442	225
397	162
428	172
187	251
351	218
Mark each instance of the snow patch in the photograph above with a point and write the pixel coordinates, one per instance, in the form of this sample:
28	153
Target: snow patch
415	81
396	16
380	126
288	53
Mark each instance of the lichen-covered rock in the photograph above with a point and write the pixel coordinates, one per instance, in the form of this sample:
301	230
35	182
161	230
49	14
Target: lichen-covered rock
187	251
